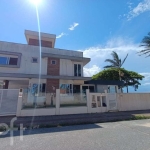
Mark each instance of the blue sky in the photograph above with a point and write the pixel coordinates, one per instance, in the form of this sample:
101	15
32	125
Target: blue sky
96	27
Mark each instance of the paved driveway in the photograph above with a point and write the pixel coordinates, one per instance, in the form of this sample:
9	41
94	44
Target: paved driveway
126	135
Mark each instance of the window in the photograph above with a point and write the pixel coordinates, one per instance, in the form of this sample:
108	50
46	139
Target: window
66	89
3	60
53	62
34	60
42	89
91	88
77	70
8	61
13	61
112	89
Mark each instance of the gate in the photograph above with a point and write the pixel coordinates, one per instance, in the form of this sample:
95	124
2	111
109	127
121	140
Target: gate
98	102
112	101
8	101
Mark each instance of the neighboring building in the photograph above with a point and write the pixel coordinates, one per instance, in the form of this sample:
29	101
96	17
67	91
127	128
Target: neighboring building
61	69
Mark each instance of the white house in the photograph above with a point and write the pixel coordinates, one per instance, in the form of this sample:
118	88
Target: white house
60	69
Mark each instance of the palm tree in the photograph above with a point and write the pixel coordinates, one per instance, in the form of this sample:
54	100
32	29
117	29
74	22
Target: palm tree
116	62
146	45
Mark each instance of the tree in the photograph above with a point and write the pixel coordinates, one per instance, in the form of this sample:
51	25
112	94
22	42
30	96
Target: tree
146	44
116	62
130	78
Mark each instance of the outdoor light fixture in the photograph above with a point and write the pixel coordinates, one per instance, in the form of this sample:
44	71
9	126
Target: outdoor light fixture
36	2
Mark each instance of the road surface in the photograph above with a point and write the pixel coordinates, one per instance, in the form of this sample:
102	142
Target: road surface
124	135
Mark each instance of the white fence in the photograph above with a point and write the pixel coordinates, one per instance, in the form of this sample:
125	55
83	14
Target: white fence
133	101
8	101
78	104
93	103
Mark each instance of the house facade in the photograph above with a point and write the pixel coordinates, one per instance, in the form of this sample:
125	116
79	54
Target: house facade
60	69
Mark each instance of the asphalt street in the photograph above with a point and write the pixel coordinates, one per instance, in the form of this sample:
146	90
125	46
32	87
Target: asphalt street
124	135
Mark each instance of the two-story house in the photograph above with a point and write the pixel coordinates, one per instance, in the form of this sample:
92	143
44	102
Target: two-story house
60	69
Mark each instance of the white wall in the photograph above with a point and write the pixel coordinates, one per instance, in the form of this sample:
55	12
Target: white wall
73	110
101	88
28	52
133	101
38	112
66	67
62	52
26	65
18	84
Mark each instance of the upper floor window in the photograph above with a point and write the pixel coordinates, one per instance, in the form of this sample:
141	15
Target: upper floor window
77	70
8	60
34	60
53	62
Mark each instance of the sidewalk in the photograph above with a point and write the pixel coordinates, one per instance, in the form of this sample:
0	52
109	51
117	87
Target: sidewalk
75	119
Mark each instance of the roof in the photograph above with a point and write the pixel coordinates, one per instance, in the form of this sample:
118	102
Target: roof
104	82
44	36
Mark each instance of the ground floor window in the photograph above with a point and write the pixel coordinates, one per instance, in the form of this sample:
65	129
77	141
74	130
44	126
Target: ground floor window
112	89
71	89
84	88
66	89
34	88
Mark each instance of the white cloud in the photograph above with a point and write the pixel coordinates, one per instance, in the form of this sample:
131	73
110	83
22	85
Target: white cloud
120	45
60	35
146	75
98	54
146	84
140	8
72	27
89	72
129	5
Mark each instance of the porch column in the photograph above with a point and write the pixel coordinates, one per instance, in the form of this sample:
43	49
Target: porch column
88	101
57	101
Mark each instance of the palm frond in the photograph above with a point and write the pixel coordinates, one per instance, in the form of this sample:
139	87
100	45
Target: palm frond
110	66
124	60
144	52
115	57
148	56
111	62
145	43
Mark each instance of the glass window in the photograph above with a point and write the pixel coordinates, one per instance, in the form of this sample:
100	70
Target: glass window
43	87
13	61
34	60
8	61
77	69
3	60
112	89
76	88
91	88
53	62
66	89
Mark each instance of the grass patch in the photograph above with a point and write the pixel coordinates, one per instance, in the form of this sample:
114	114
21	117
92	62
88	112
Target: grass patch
140	117
72	105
